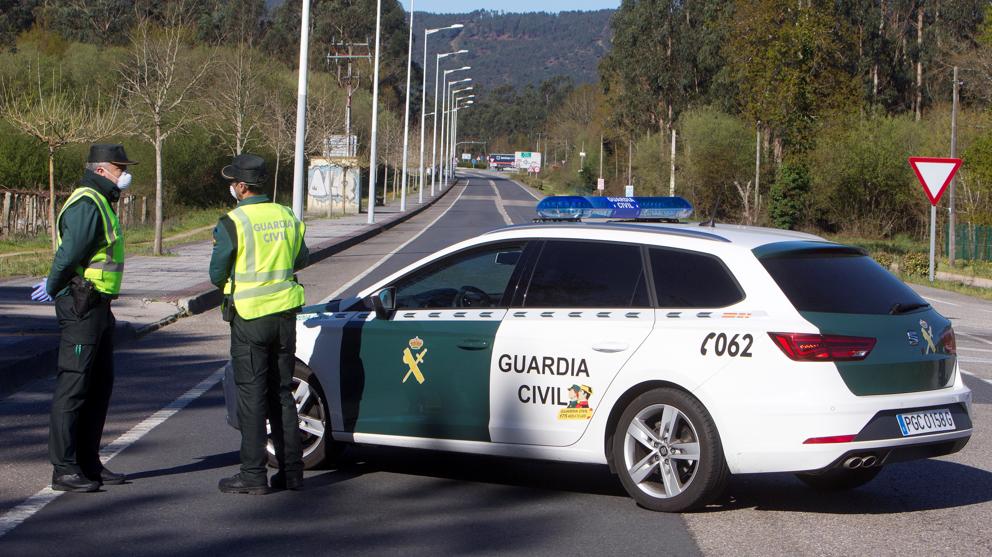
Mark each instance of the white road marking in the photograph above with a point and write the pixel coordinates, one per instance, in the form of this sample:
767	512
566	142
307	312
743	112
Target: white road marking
32	505
973	349
940	301
970	374
499	204
378	263
973	337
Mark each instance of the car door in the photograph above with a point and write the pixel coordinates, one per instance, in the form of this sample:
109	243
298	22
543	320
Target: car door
585	310
424	372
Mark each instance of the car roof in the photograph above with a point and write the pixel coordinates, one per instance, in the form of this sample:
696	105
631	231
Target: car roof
747	237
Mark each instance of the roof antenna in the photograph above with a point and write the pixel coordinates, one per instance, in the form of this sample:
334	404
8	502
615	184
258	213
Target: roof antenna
716	208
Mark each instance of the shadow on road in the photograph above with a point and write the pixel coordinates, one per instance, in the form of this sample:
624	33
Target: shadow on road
899	488
200	464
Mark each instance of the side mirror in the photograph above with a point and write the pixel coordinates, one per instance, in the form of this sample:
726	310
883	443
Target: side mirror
384	302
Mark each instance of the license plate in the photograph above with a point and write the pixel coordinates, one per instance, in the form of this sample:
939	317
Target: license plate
928	421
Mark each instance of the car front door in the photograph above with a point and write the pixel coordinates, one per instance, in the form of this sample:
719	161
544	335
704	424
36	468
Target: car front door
585	310
424	372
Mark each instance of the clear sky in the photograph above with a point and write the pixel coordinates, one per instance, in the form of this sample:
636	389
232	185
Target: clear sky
452	6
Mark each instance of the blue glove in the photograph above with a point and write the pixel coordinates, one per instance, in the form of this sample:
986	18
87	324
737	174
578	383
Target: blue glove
40	293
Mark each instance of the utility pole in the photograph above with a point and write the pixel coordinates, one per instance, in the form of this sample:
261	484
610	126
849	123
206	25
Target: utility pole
757	169
671	181
951	217
345	52
301	111
630	161
373	162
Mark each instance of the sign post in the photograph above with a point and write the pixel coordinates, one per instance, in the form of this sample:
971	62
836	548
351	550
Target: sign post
934	175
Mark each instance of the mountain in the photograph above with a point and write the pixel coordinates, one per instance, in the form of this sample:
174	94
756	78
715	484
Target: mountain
518	48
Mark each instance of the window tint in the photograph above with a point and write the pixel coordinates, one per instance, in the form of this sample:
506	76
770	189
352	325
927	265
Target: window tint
839	283
588	274
685	279
474	279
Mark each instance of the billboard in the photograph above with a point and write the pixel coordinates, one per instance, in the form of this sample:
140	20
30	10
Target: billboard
527	161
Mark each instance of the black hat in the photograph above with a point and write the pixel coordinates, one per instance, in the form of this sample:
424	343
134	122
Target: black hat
109	152
246	168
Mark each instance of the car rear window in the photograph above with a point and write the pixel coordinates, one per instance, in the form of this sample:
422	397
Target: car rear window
838	281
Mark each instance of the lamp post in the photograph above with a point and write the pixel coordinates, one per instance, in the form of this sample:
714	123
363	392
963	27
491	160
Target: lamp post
406	112
437	75
423	96
451	129
375	114
454	132
445	105
301	111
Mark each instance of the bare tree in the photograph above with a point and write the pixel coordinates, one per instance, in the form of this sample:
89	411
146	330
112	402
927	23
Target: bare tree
277	125
235	99
57	117
160	79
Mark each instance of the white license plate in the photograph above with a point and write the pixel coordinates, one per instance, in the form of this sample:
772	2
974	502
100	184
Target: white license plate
928	421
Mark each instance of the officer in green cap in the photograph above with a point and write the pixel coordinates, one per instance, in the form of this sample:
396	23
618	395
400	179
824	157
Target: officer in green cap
258	247
85	276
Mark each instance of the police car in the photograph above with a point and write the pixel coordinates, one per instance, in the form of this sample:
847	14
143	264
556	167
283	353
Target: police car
676	354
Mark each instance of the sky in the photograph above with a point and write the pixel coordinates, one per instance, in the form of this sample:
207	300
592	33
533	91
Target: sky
452	6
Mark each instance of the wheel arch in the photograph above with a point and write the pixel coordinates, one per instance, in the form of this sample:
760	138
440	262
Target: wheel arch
621	404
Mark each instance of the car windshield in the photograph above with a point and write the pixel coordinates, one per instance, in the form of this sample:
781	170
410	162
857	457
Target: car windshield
840	281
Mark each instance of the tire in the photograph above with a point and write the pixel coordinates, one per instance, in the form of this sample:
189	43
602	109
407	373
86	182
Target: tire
841	479
311	405
643	454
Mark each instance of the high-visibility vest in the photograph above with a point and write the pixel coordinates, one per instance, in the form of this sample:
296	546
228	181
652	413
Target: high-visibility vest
105	268
269	239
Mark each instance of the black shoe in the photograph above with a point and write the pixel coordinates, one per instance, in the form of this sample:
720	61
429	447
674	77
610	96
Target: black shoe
237	484
76	483
107	477
292	482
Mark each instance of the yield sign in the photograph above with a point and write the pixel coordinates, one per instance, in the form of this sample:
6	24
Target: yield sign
935	174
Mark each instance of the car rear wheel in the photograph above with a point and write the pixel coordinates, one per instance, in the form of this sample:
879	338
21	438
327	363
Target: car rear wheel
667	452
840	479
311	406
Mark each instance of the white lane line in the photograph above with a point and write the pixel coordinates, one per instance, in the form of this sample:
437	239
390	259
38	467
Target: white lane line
974	360
970	374
960	348
973	337
940	301
366	273
32	505
499	204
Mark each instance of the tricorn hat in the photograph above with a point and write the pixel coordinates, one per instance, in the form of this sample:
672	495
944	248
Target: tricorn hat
109	152
246	168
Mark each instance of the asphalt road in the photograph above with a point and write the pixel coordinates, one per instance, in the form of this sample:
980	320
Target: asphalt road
391	501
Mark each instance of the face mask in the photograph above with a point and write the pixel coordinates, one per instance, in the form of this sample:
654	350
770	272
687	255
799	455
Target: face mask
234	194
124	181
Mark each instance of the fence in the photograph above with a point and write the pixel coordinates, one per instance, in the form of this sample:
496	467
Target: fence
26	213
972	242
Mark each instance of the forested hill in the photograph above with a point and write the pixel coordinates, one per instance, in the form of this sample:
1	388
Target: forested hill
520	48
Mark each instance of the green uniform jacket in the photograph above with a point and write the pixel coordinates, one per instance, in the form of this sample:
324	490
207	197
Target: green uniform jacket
82	233
226	247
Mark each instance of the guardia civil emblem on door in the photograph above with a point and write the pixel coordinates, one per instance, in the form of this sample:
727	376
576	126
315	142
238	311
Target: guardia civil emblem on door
413	356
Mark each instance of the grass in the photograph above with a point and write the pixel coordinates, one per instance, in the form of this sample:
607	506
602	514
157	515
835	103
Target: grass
902	245
190	225
974	291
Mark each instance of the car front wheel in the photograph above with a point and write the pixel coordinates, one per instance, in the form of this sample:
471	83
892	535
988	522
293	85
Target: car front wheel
667	452
311	406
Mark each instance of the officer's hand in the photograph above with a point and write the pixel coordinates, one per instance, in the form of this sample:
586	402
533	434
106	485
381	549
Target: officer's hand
40	293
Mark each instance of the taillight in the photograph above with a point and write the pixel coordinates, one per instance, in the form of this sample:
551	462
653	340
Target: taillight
831	439
805	347
948	343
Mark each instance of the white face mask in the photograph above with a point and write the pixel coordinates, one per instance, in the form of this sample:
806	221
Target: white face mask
234	194
124	181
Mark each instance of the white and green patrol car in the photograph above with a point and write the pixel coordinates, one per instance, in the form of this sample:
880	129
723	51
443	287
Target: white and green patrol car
676	354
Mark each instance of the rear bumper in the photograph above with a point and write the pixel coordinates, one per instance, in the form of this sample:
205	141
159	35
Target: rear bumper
230	396
857	458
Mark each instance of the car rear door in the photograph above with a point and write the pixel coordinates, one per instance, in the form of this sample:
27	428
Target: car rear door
575	321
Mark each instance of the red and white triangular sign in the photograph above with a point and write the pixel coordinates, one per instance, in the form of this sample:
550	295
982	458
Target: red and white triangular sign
935	174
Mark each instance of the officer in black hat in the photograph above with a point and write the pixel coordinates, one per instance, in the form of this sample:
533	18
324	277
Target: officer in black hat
85	277
258	247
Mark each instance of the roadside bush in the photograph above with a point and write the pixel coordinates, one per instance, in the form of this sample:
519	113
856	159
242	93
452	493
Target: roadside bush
787	198
884	258
915	264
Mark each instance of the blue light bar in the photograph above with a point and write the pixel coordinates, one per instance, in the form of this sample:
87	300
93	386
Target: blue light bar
574	207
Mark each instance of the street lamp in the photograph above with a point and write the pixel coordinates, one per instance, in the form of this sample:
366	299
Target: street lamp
445	88
454	130
437	75
406	112
446	161
423	96
375	115
301	112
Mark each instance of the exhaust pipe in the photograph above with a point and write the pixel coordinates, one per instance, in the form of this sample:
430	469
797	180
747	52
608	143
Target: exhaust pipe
853	462
869	461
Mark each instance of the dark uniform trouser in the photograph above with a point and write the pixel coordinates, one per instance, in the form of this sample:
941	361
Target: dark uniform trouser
263	356
83	387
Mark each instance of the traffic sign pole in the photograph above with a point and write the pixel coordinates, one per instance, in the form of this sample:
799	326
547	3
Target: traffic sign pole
934	175
933	238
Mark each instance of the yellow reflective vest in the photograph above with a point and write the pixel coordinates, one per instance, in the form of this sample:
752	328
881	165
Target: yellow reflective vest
105	268
269	238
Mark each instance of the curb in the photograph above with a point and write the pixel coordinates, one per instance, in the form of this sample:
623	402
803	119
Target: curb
195	300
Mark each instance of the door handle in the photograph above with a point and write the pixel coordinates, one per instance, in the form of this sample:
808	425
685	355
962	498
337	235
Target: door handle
473	344
610	347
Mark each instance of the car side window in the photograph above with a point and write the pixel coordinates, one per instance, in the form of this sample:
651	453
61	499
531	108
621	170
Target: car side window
474	279
686	279
577	274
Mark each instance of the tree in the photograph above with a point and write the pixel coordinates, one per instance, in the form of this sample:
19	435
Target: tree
160	78
277	124
234	99
788	196
58	117
719	156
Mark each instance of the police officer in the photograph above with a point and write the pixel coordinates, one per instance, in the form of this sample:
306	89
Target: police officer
85	276
257	248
